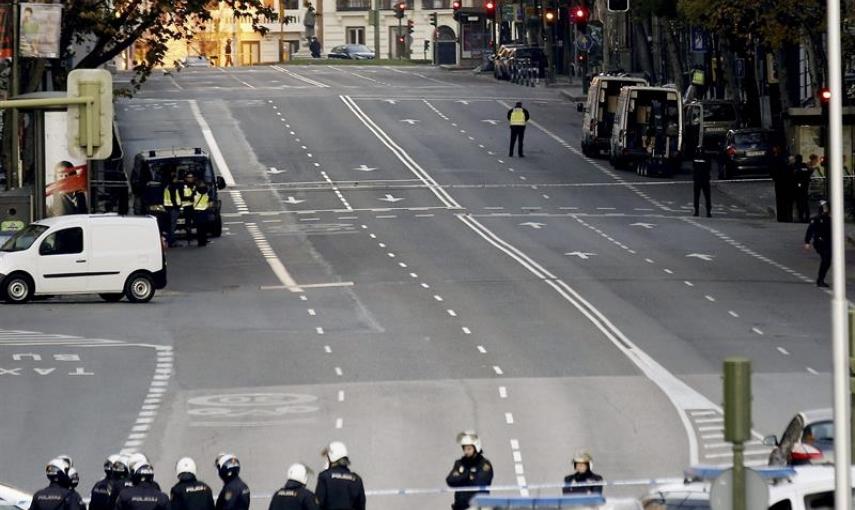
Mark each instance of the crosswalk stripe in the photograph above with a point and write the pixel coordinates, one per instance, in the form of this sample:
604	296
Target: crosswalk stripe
34	338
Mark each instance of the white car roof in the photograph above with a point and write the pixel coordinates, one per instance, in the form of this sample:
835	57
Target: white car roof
815	415
11	495
76	219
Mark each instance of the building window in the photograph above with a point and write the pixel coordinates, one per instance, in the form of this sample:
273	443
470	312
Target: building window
353	5
431	5
290	4
355	35
390	4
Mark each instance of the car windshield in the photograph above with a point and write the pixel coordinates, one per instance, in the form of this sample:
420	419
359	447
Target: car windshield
24	238
198	165
751	138
359	48
719	112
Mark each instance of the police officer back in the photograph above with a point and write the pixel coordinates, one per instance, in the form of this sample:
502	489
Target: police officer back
294	495
471	470
190	493
338	487
819	234
104	493
517	117
58	495
234	494
145	493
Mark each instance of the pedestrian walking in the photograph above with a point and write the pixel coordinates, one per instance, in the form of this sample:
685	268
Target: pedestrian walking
819	234
294	495
338	487
59	494
782	174
517	117
583	480
190	493
228	53
104	492
145	493
234	494
801	182
701	183
470	470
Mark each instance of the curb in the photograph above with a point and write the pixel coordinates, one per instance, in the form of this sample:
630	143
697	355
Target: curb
571	95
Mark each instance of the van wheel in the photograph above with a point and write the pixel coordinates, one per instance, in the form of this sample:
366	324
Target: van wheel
17	288
217	227
139	288
113	297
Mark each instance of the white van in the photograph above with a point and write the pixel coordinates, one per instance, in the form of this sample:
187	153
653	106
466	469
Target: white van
600	110
648	123
105	254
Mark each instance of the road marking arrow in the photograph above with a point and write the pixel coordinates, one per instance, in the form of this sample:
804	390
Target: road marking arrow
390	198
292	200
702	256
533	224
490	121
410	121
390	101
581	254
462	101
274	171
365	168
643	225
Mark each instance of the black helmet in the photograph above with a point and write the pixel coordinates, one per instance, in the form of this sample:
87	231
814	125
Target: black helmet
228	466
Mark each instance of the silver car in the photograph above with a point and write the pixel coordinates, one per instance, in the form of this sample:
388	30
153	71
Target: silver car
808	439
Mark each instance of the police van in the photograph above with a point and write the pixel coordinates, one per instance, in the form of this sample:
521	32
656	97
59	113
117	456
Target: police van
599	110
648	127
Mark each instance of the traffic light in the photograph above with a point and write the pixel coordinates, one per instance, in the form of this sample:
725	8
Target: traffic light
490	7
400	7
410	26
550	15
582	57
401	39
456	5
579	15
90	125
433	19
824	96
618	5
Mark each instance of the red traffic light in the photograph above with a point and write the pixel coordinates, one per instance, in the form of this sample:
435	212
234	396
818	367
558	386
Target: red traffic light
456	5
579	14
824	95
401	39
490	6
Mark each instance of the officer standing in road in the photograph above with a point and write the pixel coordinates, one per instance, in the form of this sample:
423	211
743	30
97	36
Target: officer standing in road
145	494
190	493
518	117
103	492
801	180
200	212
338	487
294	495
819	234
234	494
583	474
58	495
470	470
701	180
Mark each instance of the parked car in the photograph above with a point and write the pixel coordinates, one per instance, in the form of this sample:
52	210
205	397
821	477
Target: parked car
707	124
749	151
12	498
808	438
501	62
352	51
600	108
105	254
196	61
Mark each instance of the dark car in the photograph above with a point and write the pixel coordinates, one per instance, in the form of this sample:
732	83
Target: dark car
749	151
352	51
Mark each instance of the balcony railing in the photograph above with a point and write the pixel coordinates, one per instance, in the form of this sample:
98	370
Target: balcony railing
353	5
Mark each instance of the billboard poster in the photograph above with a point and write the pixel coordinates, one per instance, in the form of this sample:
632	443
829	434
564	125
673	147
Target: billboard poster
40	30
5	30
66	176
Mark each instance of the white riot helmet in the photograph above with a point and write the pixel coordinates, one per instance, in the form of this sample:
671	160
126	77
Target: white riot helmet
73	478
185	465
109	461
584	457
120	467
67	459
469	438
298	473
57	471
136	460
335	451
228	465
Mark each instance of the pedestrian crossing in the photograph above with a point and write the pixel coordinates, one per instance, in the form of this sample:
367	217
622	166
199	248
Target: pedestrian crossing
35	338
713	449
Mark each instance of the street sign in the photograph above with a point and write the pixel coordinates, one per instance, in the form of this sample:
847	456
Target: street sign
756	491
699	39
584	42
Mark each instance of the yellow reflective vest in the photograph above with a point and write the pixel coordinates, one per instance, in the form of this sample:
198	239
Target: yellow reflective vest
517	117
200	202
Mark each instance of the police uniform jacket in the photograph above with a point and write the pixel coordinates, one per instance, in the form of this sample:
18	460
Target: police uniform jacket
294	496
145	495
340	489
57	497
103	495
233	496
191	494
819	232
584	478
469	472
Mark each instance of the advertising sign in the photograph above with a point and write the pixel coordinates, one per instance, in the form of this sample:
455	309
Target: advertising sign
5	30
66	176
40	30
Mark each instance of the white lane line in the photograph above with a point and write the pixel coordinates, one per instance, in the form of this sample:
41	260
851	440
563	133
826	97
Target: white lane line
336	190
312	311
402	264
425	285
303	297
717	419
391	255
732	313
688	283
341	395
339	423
710	298
509	418
272	259
482	350
328	349
466	330
649	261
757	330
452	312
437	297
319	330
498	370
668	271
382	245
338	371
301	77
222	166
503	392
783	351
812	371
414	275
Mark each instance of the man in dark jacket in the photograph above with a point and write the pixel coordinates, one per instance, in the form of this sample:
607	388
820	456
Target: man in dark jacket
190	493
583	475
782	174
471	470
517	118
295	495
338	487
234	494
145	494
801	181
58	495
104	493
701	181
819	234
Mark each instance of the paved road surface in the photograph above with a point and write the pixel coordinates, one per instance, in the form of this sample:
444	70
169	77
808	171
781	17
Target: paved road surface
388	277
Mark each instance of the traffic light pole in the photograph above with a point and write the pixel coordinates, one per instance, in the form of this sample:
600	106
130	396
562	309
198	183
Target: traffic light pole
400	41
737	421
376	15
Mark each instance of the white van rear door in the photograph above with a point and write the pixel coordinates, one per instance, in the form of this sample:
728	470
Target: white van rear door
62	265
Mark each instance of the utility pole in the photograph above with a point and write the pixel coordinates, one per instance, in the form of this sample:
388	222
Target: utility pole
851	381
737	421
376	16
16	89
839	329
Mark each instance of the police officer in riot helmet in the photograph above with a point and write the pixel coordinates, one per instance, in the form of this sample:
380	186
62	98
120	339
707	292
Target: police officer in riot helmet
190	493
338	487
121	476
145	493
103	492
583	480
470	470
294	495
135	460
234	494
59	494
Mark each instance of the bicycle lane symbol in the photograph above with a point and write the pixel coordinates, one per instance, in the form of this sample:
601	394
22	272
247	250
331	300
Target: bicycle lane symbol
251	409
